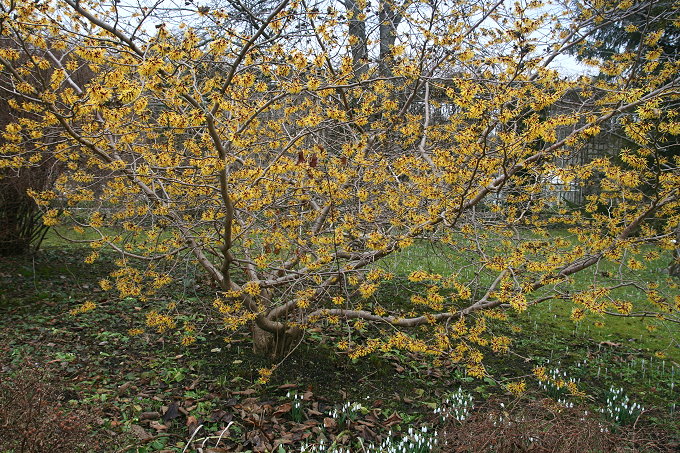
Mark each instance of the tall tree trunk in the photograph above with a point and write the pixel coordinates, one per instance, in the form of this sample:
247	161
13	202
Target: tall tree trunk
357	32
389	17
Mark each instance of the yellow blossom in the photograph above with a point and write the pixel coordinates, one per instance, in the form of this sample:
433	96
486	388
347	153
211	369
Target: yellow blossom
367	289
516	388
578	314
500	344
574	390
338	300
252	288
188	340
92	257
541	373
83	308
160	322
105	284
476	370
265	375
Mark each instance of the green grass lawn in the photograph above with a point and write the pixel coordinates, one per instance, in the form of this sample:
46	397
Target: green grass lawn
552	317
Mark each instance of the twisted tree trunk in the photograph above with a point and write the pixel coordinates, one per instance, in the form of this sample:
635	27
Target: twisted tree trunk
275	345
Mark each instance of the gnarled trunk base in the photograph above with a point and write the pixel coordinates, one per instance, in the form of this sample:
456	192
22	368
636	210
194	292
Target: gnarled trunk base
275	346
674	266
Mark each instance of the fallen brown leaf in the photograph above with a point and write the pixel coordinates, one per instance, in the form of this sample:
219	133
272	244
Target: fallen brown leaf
152	415
158	426
139	432
284	408
329	423
172	412
191	420
244	392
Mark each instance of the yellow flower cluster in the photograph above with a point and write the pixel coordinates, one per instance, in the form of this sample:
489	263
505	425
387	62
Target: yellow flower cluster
91	258
159	321
593	299
338	300
265	375
464	292
223	307
516	388
459	328
500	344
458	353
161	281
420	275
476	370
623	307
475	332
541	373
577	314
442	340
83	308
234	313
519	302
367	289
50	218
188	340
372	345
105	284
304	297
378	274
252	288
234	322
574	390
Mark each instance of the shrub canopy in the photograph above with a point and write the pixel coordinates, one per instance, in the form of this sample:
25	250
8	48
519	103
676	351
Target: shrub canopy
289	150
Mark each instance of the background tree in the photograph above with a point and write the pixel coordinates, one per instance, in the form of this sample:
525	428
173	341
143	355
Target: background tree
21	227
20	218
643	28
287	177
642	25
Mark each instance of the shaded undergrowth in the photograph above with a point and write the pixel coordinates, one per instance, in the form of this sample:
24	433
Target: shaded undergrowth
152	394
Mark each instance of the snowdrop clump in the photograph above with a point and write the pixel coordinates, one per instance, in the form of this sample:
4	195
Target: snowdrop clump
458	405
320	448
619	409
346	413
414	441
296	411
557	385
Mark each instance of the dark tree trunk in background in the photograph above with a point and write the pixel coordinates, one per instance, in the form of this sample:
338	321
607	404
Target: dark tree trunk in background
389	17
357	30
19	222
21	226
